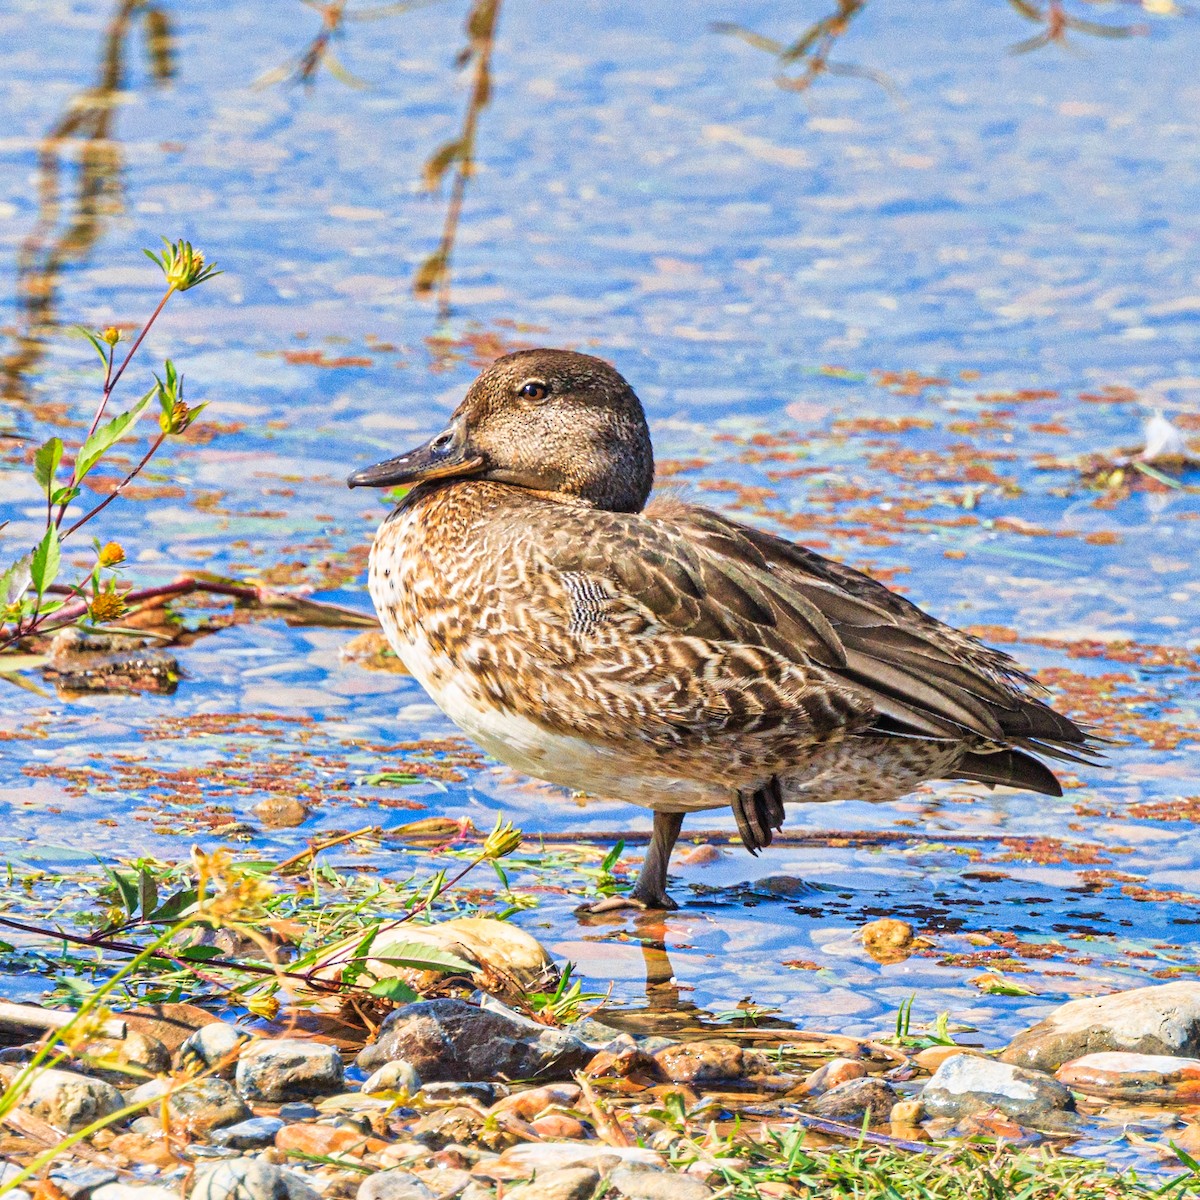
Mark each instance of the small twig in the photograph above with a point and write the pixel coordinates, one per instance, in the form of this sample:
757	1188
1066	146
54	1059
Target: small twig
315	847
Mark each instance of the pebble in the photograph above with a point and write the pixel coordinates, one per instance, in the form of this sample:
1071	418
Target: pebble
657	1185
596	1034
624	1062
280	812
449	1039
298	1110
534	1158
558	1125
998	1128
135	1191
78	1181
394	1185
968	1084
701	856
212	1044
830	1074
569	1183
70	1101
396	1076
1122	1076
289	1069
709	1062
533	1102
248	1179
326	1140
248	1135
888	940
1164	1019
855	1099
907	1113
121	1061
485	1093
198	1107
932	1057
140	1148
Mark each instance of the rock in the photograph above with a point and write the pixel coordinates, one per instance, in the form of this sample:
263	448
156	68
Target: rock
533	1102
197	1107
394	1185
298	1110
459	1125
452	1040
570	1183
280	812
657	1185
485	1093
77	1181
996	1127
535	1158
968	1084
395	1076
326	1141
558	1125
289	1069
703	855
888	940
907	1113
123	1061
709	1062
248	1135
625	1062
1122	1076
932	1057
135	1191
504	960
854	1099
1164	1019
69	1101
248	1179
830	1074
595	1034
142	1149
477	1191
210	1045
445	1182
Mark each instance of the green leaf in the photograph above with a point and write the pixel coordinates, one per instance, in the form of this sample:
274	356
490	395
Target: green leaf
14	583
126	885
610	859
45	463
101	348
106	436
147	893
420	956
395	990
358	958
175	905
199	953
390	779
43	567
64	495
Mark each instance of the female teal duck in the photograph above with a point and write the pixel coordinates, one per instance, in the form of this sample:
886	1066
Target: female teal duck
664	654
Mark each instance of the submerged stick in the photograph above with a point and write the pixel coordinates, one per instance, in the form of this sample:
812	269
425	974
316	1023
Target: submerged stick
30	1016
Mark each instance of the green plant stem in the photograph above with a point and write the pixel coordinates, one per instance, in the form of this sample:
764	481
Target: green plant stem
158	441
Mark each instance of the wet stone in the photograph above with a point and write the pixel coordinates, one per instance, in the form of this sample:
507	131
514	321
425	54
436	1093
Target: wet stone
122	1061
198	1107
325	1141
932	1057
533	1102
280	812
570	1183
248	1135
888	940
249	1179
289	1069
212	1044
854	1099
484	1093
397	1076
1122	1076
1164	1019
968	1084
79	1181
452	1040
558	1126
709	1062
830	1074
395	1185
298	1110
68	1101
656	1185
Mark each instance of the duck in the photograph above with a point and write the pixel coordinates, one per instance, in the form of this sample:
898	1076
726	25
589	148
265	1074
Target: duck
659	652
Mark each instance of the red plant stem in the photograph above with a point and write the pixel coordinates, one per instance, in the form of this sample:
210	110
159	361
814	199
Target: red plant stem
158	441
137	342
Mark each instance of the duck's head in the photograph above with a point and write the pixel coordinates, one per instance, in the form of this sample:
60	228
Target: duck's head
561	424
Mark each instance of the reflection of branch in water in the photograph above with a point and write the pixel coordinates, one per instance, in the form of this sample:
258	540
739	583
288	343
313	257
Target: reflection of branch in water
1057	21
88	122
811	50
434	272
319	53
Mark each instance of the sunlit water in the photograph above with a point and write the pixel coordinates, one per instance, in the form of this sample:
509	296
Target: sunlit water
866	315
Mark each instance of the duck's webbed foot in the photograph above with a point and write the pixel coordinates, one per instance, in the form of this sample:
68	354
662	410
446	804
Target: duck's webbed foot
650	891
759	814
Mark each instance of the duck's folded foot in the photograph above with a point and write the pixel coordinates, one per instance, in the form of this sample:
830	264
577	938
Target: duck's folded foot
649	894
759	814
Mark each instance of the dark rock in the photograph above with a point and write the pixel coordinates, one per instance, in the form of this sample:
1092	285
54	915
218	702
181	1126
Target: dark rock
249	1179
78	1181
210	1045
298	1110
289	1069
485	1093
968	1084
709	1062
452	1040
248	1135
198	1107
1164	1019
855	1099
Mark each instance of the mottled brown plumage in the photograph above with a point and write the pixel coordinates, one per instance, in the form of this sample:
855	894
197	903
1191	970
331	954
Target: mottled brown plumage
668	655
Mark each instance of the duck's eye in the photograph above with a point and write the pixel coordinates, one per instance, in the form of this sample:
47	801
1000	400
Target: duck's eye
535	389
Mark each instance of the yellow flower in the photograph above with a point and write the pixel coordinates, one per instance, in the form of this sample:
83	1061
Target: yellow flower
112	335
107	606
183	266
111	553
502	841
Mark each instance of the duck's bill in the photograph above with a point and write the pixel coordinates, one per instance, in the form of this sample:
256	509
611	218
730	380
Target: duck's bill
442	457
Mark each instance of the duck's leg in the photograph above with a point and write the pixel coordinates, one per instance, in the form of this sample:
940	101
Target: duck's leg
650	891
759	813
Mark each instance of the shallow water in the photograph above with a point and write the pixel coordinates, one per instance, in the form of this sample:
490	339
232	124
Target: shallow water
870	315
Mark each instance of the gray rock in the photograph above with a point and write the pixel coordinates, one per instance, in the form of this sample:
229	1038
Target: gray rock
477	1191
248	1135
79	1181
289	1069
657	1185
571	1183
1164	1019
485	1093
247	1179
855	1099
122	1061
595	1033
211	1044
397	1076
135	1191
69	1101
298	1110
396	1184
968	1084
452	1040
200	1106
